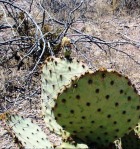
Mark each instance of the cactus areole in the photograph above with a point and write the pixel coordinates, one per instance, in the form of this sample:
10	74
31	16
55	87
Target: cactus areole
96	107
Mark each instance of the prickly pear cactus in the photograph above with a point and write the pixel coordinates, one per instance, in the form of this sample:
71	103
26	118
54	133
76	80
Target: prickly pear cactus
132	140
30	135
98	107
57	73
95	107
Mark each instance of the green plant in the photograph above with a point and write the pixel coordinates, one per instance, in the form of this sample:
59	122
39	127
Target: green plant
95	107
56	74
78	104
29	134
24	128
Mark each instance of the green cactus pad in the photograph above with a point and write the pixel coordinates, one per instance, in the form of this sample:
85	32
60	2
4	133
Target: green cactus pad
132	140
56	74
30	135
98	107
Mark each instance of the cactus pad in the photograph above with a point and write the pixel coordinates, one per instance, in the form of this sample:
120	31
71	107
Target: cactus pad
30	135
98	107
56	74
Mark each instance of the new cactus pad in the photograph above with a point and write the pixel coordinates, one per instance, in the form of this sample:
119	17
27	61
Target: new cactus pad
30	135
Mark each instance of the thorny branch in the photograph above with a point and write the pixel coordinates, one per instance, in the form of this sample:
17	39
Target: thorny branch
37	29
